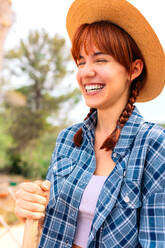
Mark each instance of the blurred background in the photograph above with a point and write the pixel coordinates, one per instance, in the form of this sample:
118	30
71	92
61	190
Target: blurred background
39	94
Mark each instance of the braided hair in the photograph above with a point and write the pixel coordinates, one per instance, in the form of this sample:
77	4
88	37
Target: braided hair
78	137
112	139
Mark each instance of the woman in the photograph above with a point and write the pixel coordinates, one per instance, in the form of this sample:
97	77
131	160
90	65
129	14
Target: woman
108	173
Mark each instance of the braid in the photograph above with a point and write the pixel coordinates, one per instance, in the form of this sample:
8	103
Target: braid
78	137
112	139
90	112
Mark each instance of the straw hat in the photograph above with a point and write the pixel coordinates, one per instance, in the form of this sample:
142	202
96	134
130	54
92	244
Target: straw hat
131	20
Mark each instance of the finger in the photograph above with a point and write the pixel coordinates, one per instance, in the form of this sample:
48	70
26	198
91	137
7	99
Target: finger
26	214
31	188
45	186
38	182
31	206
31	197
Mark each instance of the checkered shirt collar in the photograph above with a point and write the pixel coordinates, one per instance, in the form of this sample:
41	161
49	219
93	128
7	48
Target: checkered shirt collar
128	132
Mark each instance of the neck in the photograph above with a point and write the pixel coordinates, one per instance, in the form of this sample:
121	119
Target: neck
107	119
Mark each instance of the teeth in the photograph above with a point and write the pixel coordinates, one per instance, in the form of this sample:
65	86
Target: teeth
93	87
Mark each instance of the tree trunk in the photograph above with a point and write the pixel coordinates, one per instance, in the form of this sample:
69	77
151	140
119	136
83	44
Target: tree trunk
5	23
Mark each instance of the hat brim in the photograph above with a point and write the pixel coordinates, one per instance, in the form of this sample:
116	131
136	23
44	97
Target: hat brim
125	15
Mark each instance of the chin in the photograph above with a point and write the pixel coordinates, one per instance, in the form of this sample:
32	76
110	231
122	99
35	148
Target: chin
93	105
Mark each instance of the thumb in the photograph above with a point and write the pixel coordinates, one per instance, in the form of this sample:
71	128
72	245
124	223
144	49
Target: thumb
45	185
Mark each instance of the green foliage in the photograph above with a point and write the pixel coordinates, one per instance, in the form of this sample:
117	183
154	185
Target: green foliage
9	217
26	126
38	154
38	65
5	142
43	60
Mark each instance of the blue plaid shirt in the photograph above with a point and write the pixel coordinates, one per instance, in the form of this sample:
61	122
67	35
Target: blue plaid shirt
130	210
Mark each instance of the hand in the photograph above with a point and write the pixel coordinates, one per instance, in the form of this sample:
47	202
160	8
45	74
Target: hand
32	199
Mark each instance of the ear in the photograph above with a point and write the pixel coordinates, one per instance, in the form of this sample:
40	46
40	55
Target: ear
136	69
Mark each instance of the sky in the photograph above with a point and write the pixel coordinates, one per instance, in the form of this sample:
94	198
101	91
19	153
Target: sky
51	15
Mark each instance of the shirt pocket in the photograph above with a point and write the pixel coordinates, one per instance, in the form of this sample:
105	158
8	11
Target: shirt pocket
130	195
62	167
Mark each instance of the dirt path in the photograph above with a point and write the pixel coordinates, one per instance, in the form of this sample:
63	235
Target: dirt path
7	240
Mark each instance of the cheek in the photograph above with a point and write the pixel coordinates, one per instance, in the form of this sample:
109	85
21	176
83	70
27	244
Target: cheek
123	73
78	77
106	74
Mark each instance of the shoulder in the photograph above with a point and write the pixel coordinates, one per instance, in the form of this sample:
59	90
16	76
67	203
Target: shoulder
64	143
153	139
67	134
157	138
152	134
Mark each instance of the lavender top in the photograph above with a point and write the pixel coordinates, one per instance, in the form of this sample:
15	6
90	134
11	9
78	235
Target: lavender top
87	208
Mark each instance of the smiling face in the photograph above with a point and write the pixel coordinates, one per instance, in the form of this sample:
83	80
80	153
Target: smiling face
108	60
103	82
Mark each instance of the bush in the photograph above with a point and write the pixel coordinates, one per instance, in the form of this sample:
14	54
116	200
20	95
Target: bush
36	157
5	142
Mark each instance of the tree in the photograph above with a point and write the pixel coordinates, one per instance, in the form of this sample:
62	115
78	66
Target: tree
43	62
40	151
38	67
5	23
5	143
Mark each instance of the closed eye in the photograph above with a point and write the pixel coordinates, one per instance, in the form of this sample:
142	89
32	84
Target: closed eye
80	63
101	60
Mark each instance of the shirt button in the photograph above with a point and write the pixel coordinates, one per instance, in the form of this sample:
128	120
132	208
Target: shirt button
82	184
126	199
73	214
67	242
124	173
114	155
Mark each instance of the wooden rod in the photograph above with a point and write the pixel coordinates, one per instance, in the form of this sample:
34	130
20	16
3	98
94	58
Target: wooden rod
31	234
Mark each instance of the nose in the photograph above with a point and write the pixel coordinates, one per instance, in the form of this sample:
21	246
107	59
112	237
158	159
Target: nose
88	70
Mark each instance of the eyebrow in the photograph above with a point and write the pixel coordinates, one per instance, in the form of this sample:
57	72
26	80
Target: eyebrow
94	55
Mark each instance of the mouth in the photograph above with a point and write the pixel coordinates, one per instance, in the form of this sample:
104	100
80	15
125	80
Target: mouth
91	88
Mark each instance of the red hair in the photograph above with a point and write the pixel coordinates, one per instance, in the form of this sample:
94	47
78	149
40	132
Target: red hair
113	40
